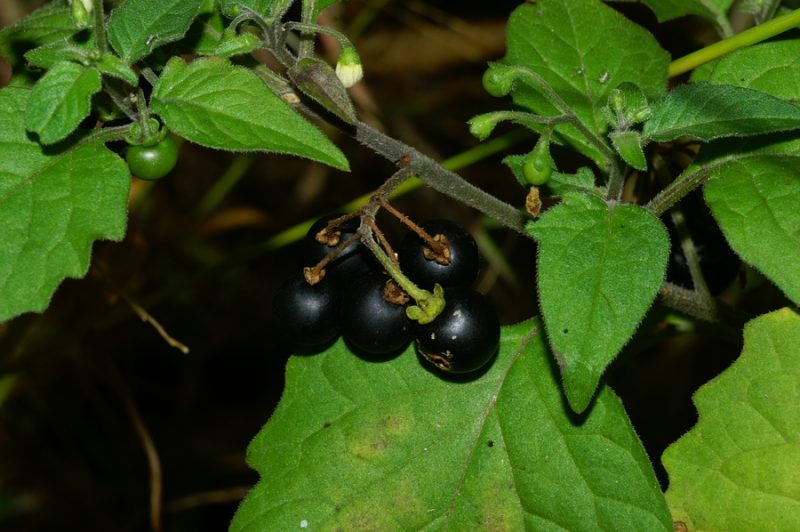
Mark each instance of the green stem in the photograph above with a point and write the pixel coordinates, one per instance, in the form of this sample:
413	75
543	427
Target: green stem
441	179
679	188
616	180
428	304
746	38
306	38
101	43
542	85
344	42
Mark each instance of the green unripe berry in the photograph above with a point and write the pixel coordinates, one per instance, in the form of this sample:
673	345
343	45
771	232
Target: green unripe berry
538	167
152	162
498	81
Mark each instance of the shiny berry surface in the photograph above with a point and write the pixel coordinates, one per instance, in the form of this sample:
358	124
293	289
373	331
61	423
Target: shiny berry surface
464	337
370	323
464	259
307	315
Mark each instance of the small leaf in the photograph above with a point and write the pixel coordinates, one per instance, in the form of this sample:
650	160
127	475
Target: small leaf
705	111
755	202
599	269
49	55
237	45
583	50
218	105
738	469
50	23
629	146
771	67
111	65
138	27
52	206
60	100
363	446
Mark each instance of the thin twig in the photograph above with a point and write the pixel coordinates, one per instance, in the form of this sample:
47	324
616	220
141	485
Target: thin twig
220	496
143	314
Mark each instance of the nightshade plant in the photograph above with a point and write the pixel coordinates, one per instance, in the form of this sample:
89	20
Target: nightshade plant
538	441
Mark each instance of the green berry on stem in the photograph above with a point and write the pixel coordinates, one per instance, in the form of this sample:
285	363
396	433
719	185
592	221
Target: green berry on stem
152	162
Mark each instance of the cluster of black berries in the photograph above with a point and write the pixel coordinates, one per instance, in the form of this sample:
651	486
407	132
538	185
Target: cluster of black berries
356	299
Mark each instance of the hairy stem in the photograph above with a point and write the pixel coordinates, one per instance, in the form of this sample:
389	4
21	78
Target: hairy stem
99	26
437	177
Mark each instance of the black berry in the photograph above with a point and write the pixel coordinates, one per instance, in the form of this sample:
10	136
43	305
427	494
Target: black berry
350	262
459	266
307	315
370	323
464	337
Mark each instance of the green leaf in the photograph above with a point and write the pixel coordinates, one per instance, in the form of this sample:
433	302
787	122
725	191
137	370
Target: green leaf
705	111
50	23
714	10
218	105
583	50
599	269
738	469
60	100
49	55
355	445
111	65
138	27
52	206
771	67
629	146
755	201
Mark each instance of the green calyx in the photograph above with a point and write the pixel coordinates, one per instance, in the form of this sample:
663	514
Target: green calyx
428	306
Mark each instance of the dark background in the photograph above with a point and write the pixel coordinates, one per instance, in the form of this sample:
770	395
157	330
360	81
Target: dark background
85	381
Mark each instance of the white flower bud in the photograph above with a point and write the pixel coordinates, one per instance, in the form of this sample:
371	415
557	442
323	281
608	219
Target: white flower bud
348	67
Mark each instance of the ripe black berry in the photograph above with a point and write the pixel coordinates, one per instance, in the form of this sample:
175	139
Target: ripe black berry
307	315
426	268
464	337
351	262
370	323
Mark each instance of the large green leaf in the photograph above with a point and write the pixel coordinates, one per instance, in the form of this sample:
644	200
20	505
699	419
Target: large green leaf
390	446
599	268
53	205
738	469
48	24
60	100
755	201
771	67
215	104
137	27
705	111
583	50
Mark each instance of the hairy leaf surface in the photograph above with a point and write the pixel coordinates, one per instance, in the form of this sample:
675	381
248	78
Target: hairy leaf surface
52	207
706	111
50	23
738	469
583	50
771	67
218	105
599	269
390	446
60	100
755	201
138	27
